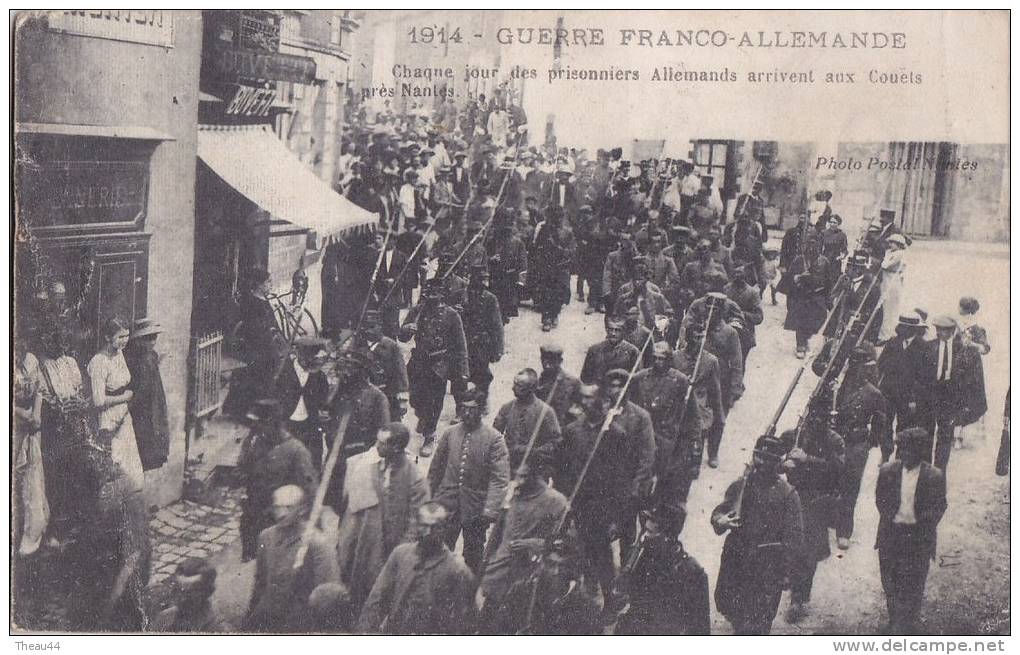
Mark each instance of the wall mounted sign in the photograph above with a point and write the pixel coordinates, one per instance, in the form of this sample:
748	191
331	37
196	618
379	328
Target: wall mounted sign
56	194
148	26
230	64
250	101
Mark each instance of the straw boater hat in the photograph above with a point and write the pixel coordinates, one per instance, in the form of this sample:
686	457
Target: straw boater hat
911	319
145	327
898	239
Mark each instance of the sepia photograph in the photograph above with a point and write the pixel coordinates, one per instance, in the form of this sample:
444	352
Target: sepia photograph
511	322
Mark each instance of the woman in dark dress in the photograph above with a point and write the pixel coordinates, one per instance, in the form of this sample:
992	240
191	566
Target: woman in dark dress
148	405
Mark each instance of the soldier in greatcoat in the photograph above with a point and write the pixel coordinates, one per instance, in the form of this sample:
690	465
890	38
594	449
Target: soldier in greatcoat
814	467
861	418
662	390
387	369
423	588
747	298
549	269
552	600
270	458
807	283
469	476
439	355
556	386
483	328
525	415
508	259
762	514
667	588
383	490
609	354
618	480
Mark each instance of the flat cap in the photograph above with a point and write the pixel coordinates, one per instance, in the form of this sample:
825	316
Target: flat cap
615	375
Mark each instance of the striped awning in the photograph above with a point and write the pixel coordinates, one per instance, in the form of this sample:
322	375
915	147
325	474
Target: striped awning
252	160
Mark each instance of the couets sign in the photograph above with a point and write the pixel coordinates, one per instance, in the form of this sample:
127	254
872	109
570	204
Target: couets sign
230	64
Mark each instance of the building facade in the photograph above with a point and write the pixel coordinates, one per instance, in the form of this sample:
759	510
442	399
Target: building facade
105	134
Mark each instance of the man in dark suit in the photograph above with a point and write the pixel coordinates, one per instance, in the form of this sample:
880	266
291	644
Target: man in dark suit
952	387
911	499
899	369
562	195
390	267
303	390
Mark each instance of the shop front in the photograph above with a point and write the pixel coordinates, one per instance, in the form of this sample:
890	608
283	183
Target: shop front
104	136
259	207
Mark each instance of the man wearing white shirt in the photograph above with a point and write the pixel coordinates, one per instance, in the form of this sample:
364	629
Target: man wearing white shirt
953	387
426	173
407	197
911	499
690	182
303	390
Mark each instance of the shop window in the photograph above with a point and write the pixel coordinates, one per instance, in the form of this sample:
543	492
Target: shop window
82	184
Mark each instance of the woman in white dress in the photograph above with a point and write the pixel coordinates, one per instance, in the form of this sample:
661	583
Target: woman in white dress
110	396
893	268
31	509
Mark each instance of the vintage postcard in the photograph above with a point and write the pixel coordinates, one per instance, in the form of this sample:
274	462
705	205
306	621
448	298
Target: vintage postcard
512	322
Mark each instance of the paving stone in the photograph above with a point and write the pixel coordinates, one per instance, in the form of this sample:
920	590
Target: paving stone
165	530
181	549
179	522
167	515
164	547
198	552
215	532
225	539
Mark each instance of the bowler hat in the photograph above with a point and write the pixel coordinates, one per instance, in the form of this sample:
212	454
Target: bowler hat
145	327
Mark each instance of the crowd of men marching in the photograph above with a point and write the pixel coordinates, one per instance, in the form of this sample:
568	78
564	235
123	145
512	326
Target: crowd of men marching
538	495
